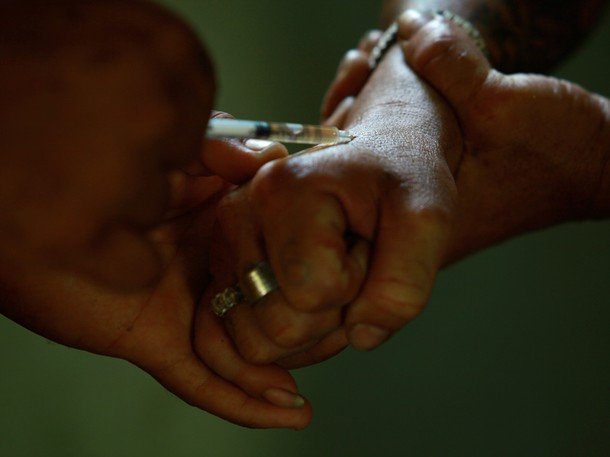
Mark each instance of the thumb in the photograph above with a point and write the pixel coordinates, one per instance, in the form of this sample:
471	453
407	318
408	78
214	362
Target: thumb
233	160
443	54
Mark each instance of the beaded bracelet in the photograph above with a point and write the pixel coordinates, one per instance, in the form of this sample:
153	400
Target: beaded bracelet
467	26
389	37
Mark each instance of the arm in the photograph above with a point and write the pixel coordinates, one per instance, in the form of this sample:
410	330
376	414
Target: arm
512	180
536	147
546	141
522	35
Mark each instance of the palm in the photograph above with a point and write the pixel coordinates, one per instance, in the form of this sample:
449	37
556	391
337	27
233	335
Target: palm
152	328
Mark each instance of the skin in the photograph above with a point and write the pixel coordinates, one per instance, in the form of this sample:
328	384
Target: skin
559	166
522	35
105	229
364	223
556	170
546	140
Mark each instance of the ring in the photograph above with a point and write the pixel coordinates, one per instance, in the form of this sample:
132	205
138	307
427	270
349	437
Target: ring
258	282
225	300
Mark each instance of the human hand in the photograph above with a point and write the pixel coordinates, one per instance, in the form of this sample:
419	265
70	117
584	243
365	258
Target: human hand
111	121
535	147
103	104
544	140
152	327
314	216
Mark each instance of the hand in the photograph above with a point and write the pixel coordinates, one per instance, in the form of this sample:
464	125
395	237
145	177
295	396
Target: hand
315	215
98	117
550	153
152	327
105	240
535	147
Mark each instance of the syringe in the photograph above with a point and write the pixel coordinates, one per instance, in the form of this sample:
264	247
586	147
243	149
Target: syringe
277	131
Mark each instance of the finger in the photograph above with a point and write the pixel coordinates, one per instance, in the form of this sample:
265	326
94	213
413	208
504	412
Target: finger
214	347
369	41
196	384
237	249
233	160
252	343
308	249
410	22
353	73
450	61
339	117
290	329
409	247
331	345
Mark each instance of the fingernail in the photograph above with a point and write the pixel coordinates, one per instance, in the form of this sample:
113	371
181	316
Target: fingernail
283	398
409	22
410	16
258	145
365	337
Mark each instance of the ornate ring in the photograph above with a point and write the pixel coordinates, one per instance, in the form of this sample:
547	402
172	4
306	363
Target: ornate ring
225	300
258	282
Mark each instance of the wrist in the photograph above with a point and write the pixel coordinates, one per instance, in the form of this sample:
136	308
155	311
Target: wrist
402	115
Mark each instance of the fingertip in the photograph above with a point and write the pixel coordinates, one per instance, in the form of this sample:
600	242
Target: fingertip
370	40
284	398
409	23
272	152
352	74
339	116
366	337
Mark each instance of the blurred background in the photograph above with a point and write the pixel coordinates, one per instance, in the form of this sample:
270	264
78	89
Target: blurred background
511	358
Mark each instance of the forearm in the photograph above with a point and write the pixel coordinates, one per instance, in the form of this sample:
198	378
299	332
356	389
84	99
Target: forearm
521	35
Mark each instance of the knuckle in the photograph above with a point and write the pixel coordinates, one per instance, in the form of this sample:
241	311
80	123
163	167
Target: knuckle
312	288
271	178
433	49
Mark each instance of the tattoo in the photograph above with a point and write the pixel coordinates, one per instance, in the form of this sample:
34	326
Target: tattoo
522	35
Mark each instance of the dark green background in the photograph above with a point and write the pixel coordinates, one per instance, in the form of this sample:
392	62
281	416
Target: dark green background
511	358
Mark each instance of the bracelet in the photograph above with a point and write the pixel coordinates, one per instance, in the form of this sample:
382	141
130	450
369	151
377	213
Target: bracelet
386	40
389	37
467	27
